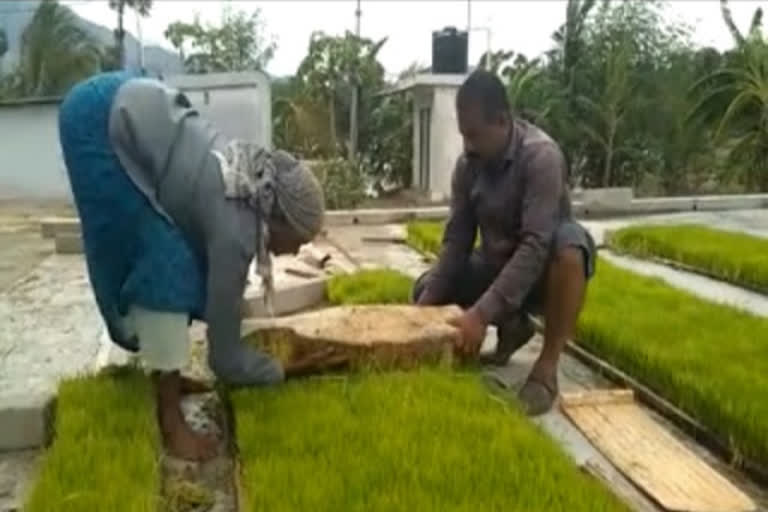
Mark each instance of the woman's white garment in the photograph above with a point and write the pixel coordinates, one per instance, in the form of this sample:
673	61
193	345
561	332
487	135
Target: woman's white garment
163	337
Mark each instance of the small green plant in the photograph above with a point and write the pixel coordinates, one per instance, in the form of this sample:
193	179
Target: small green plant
375	286
706	358
734	257
430	440
343	182
105	455
425	237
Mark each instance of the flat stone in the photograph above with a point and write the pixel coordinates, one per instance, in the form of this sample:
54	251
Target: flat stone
24	421
289	299
607	199
391	336
17	469
68	243
50	327
52	226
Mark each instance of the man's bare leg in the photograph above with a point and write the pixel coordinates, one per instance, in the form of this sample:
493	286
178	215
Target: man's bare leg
180	440
565	290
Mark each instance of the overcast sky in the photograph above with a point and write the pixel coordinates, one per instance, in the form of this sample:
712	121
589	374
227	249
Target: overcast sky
522	25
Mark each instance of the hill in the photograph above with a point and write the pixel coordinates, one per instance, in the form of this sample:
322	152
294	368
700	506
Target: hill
15	15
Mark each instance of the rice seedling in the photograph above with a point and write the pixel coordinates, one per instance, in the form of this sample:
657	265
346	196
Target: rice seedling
734	257
425	440
105	453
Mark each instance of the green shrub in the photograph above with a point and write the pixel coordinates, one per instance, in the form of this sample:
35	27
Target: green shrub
734	257
343	182
376	286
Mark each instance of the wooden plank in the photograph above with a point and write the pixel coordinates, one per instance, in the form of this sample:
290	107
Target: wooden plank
655	461
620	487
598	397
693	428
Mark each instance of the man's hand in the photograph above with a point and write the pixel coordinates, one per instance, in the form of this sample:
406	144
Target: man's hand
472	327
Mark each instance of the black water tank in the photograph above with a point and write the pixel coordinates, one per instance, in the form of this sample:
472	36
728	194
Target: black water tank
449	51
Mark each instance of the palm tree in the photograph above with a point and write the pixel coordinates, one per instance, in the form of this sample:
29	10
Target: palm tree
140	6
3	43
55	53
744	121
754	27
608	110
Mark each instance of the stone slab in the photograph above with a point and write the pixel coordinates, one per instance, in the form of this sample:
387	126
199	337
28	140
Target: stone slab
52	226
24	420
382	336
17	471
68	243
50	330
20	252
607	199
367	254
289	299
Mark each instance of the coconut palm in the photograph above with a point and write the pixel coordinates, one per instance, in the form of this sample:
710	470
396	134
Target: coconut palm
606	113
142	7
55	53
743	124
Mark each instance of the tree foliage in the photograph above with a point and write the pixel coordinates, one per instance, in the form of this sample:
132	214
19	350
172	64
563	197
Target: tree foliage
238	43
116	55
55	54
3	43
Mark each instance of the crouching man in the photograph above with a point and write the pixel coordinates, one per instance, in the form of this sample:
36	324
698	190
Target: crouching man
511	183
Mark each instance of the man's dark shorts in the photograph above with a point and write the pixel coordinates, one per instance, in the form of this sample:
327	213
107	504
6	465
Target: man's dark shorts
475	279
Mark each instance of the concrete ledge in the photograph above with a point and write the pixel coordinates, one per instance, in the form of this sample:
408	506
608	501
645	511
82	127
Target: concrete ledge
288	300
68	243
51	226
24	421
607	199
611	202
384	215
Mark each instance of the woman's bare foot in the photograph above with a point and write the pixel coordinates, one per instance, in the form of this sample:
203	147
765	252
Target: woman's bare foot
179	439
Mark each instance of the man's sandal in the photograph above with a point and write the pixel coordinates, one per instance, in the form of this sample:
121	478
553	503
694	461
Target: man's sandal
537	397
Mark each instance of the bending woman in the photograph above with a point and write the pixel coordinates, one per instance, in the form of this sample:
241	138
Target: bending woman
172	214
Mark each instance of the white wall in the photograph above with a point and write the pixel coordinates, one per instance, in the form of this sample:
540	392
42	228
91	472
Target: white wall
446	144
239	104
31	165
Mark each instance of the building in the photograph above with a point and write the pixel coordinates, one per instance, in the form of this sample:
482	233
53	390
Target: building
437	142
239	104
31	163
